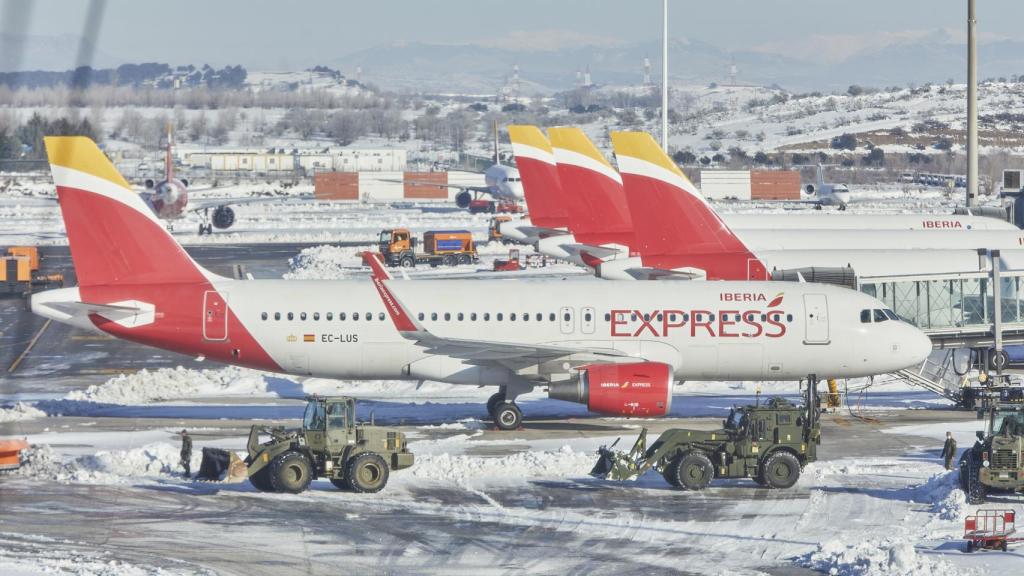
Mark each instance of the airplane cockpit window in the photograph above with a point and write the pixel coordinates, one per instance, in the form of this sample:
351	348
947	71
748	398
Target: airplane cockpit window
865	316
879	316
892	315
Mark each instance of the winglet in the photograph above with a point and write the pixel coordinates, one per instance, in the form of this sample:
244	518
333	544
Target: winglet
376	264
403	320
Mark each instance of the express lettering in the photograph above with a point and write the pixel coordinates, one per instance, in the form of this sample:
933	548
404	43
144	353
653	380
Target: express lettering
727	323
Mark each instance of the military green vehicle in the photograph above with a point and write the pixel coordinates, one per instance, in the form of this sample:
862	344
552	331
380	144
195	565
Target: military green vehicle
995	461
330	444
770	443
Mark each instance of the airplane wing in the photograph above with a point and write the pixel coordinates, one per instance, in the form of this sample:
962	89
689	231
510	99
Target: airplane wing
512	356
480	189
598	252
198	205
646	273
541	232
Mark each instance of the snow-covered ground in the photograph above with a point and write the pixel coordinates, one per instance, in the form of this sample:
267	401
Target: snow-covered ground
862	514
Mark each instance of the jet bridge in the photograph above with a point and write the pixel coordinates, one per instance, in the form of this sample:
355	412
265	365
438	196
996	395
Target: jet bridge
980	310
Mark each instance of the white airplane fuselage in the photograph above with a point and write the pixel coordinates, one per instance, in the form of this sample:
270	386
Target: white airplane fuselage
704	330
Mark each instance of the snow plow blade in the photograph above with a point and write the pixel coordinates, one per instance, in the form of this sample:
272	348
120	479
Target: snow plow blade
621	465
222	466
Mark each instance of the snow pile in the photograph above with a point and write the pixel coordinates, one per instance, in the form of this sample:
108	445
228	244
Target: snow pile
326	263
888	557
159	459
459	468
173	384
944	493
19	412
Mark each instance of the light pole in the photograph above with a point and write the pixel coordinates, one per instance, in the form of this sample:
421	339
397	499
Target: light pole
664	75
972	106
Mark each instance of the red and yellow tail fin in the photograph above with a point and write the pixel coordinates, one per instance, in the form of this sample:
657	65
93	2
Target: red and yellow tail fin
541	186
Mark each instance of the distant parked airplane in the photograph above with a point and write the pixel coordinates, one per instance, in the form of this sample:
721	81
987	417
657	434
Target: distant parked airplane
827	193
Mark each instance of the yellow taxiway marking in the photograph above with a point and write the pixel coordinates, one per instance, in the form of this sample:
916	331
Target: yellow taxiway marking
108	371
17	361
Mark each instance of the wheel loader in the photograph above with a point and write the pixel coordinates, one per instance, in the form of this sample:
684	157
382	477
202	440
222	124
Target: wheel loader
330	444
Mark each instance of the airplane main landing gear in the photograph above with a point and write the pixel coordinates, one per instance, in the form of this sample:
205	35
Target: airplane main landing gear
505	414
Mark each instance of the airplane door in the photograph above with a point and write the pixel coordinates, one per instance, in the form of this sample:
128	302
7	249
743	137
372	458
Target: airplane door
816	319
588	320
565	316
215	315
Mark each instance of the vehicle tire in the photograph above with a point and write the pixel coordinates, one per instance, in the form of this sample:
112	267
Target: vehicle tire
291	472
261	480
493	401
448	260
669	472
407	262
694	471
367	473
973	489
507	415
781	470
1003	546
970	546
341	483
999	361
465	259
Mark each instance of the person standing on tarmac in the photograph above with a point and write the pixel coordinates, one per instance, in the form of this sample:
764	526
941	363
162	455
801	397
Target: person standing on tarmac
186	453
949	450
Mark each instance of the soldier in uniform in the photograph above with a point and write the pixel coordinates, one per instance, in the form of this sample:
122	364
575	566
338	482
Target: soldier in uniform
186	453
949	450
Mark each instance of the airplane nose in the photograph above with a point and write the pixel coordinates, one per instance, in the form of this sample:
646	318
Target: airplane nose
919	346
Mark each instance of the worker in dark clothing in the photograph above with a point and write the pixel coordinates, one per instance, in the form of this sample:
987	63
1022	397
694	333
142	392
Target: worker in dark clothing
186	453
949	450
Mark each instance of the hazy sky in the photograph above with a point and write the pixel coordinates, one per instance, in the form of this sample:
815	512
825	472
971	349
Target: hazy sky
272	35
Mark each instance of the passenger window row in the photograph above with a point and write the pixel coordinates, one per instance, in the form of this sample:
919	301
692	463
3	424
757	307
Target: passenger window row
329	316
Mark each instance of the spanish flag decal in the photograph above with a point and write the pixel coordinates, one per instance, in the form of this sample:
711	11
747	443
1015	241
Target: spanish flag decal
309	338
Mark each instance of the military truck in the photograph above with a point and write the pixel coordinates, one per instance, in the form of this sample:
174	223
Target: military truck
995	461
770	443
330	444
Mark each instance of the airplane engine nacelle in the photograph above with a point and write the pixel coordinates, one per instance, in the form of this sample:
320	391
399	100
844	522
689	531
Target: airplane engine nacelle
223	217
810	188
633	389
184	182
462	199
149	183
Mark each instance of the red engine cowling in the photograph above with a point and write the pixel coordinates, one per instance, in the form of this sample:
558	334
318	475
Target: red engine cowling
634	389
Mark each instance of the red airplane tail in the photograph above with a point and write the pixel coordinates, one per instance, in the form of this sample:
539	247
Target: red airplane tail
598	212
114	236
541	186
674	224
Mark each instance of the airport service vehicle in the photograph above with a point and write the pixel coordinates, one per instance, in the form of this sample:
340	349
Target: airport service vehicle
618	351
484	206
996	461
770	443
19	271
991	529
330	444
440	247
494	229
510	264
10	453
